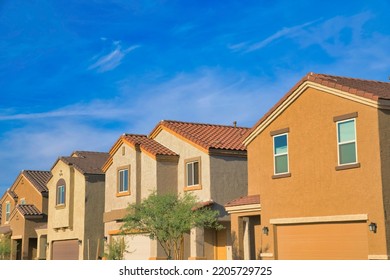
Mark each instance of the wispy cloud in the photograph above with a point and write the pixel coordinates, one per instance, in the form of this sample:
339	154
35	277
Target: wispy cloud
113	59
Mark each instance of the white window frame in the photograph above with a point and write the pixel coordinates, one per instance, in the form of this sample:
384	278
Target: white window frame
281	154
7	211
121	187
346	142
193	173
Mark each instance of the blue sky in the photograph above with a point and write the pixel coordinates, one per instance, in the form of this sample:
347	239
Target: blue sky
75	75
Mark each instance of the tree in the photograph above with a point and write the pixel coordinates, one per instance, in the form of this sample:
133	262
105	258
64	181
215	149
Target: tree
166	218
5	247
116	249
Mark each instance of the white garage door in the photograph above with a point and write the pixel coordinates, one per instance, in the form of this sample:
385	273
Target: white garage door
322	241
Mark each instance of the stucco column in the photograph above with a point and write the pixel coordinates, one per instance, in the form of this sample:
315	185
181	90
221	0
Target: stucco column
197	244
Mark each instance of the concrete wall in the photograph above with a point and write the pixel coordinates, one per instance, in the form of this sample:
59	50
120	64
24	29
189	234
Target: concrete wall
315	188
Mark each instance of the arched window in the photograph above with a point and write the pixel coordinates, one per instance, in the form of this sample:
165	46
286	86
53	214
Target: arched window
60	192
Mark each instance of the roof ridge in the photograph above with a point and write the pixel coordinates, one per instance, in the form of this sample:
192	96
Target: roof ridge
134	134
345	77
208	124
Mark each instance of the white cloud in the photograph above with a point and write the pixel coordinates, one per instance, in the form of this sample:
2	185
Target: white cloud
113	59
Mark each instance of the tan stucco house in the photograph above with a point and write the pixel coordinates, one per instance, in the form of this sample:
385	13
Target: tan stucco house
76	206
318	180
208	160
24	211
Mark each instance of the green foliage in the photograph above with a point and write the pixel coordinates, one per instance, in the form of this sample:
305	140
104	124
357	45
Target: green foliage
167	218
5	247
116	249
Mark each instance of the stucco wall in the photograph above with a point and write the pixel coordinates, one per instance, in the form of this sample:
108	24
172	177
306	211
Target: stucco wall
384	128
315	188
187	151
166	177
94	208
229	180
24	189
67	222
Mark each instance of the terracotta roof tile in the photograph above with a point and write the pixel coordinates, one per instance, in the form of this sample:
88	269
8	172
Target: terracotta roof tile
208	136
148	144
5	229
39	179
12	194
28	210
244	200
369	89
87	162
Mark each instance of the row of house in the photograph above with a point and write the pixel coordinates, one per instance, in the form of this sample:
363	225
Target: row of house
310	180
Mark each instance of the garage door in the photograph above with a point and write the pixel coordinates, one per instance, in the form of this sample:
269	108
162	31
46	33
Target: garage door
65	250
322	241
137	247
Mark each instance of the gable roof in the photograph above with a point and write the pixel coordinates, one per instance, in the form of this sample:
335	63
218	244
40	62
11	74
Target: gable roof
369	92
206	136
28	210
149	146
38	179
86	162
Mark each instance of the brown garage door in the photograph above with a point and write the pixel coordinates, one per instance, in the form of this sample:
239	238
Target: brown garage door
322	241
66	250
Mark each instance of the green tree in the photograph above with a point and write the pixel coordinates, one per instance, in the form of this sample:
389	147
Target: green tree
116	249
5	247
166	218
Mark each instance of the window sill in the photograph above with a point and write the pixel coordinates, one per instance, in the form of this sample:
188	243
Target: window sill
347	166
60	206
279	176
122	194
193	188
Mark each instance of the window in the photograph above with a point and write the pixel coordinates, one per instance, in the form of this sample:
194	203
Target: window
192	173
123	180
346	141
7	211
280	154
22	201
60	192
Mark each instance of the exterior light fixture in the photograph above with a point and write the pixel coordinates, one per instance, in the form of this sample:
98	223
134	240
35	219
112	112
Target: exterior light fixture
372	227
265	230
80	241
105	238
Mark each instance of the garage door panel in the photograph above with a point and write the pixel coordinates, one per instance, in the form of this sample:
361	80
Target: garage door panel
137	246
322	241
65	250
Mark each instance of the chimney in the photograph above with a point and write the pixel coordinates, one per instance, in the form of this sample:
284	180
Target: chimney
235	123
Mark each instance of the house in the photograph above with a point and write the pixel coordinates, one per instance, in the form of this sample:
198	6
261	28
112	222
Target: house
208	160
318	180
24	211
76	206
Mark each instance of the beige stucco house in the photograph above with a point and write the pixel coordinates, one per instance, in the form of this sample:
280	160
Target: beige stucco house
318	174
208	160
76	206
24	209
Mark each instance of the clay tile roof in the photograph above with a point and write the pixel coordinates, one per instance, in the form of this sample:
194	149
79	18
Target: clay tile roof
12	194
366	88
87	162
244	200
148	144
209	136
28	210
39	179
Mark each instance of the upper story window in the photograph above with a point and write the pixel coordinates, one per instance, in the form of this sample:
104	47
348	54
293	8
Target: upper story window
60	192
192	174
346	141
7	211
281	154
123	180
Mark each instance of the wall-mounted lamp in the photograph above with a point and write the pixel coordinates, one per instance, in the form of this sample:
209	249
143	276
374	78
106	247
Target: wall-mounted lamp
372	227
80	241
265	230
105	238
